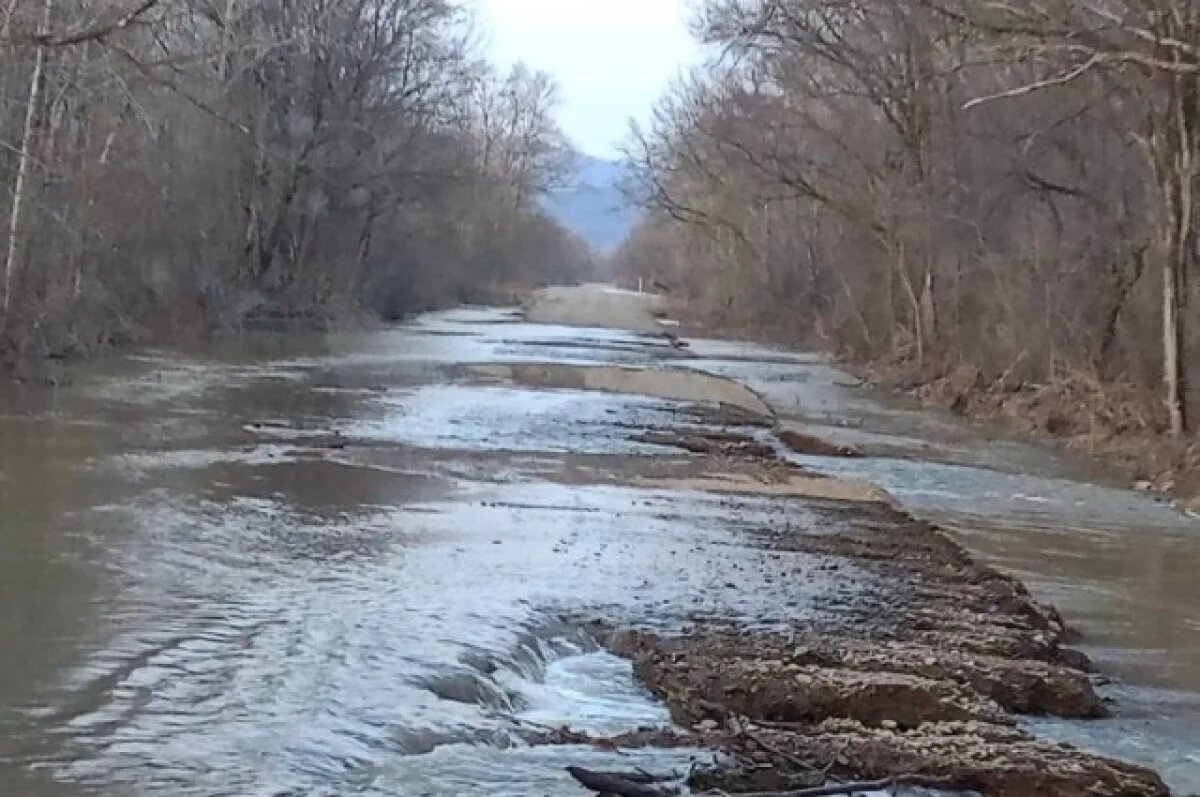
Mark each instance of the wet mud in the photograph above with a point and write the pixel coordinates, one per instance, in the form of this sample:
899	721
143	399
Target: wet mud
675	385
803	443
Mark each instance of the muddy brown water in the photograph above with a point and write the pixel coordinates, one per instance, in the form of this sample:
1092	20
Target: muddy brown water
314	566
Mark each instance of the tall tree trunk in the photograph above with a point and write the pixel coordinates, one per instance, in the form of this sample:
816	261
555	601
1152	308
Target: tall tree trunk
929	317
223	67
1179	243
23	165
1174	371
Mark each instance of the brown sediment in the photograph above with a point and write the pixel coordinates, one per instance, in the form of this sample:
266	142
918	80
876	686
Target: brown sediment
803	443
729	397
993	760
596	305
712	442
925	678
831	663
741	463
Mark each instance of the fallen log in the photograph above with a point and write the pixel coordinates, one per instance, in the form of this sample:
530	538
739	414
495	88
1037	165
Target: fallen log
621	784
834	789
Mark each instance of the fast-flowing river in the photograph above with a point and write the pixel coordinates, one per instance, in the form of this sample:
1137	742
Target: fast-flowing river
348	564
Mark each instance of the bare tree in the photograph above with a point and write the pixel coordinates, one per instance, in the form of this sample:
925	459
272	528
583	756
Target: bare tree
953	184
1155	46
179	166
32	104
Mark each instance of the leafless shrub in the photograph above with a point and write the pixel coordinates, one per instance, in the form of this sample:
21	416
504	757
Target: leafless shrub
949	182
172	166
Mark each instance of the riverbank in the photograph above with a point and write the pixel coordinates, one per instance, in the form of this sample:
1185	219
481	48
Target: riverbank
1121	427
1116	424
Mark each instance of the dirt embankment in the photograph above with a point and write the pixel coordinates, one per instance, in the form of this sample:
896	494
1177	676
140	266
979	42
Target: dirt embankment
919	682
670	384
597	306
1118	424
740	462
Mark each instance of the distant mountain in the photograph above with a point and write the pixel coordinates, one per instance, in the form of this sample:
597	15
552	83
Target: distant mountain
592	204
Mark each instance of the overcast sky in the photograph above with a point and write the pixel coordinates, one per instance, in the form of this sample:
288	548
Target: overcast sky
612	58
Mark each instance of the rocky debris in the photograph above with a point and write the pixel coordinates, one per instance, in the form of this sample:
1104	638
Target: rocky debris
814	446
921	676
993	760
725	415
930	590
763	688
790	721
1018	685
979	634
978	757
708	442
538	735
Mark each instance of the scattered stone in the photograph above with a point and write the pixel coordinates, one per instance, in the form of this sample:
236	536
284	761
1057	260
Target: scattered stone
766	689
709	442
919	678
995	761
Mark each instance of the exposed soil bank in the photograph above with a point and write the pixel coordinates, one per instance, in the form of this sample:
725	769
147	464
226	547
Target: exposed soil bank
744	464
596	306
805	443
925	678
674	385
1120	426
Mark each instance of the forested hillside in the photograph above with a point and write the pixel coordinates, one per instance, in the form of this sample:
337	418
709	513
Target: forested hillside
173	167
591	203
1002	191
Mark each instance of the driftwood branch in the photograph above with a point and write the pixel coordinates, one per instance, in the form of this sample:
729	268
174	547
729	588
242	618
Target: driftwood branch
831	790
621	784
175	88
794	760
642	784
1038	85
94	33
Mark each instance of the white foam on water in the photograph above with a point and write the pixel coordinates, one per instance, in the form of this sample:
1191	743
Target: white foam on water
592	692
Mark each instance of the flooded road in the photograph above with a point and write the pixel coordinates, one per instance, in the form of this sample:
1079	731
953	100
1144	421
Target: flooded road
353	564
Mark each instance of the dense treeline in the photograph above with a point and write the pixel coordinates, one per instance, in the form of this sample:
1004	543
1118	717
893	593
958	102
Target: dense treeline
172	166
957	184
